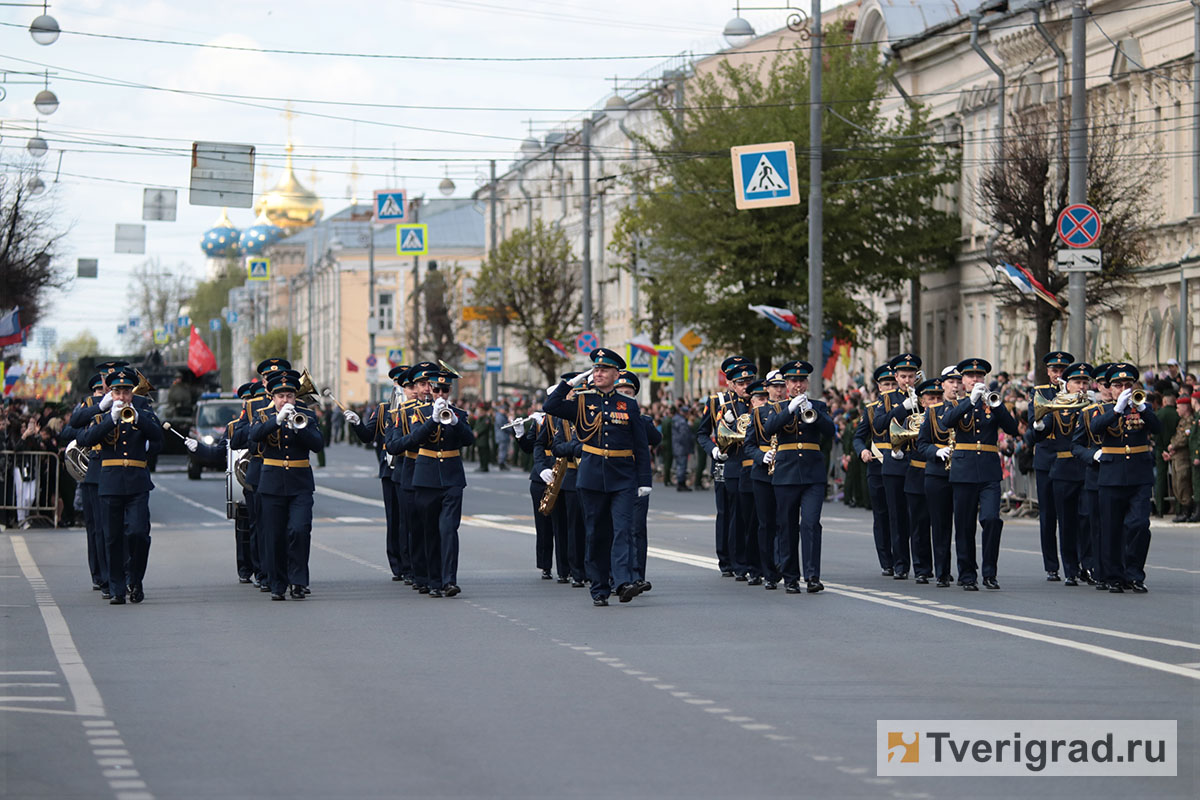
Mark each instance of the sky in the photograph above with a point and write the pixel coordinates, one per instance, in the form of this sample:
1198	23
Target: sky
129	110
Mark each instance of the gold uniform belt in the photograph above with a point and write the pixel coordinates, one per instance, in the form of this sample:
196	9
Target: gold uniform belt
549	453
977	447
883	445
122	462
408	454
285	463
599	451
1125	450
438	453
749	462
917	464
795	446
1064	454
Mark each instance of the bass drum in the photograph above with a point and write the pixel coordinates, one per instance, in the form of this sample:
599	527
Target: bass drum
236	463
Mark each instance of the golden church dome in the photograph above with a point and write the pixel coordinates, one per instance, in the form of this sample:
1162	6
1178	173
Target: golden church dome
288	204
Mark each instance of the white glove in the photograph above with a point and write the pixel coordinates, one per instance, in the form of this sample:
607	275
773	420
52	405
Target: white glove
518	429
191	444
538	416
1096	456
769	457
795	403
580	378
1040	425
547	475
115	413
910	404
897	454
1123	401
718	455
1141	407
552	387
977	393
944	453
106	401
438	404
729	416
353	418
1093	396
453	421
400	393
281	417
644	491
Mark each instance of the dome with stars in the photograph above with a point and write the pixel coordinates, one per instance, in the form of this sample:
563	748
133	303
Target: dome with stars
289	204
259	236
221	239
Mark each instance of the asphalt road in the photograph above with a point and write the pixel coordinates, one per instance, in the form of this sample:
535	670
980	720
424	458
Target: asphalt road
704	687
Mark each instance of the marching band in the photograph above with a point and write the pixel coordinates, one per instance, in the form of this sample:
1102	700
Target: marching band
930	445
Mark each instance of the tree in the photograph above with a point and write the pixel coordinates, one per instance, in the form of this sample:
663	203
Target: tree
274	344
531	283
1022	196
156	294
29	245
708	261
75	348
442	322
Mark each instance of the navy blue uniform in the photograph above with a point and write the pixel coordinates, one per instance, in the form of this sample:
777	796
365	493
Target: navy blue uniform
1126	481
920	544
799	485
438	481
551	531
939	497
567	445
245	546
124	489
724	475
641	507
1066	474
975	479
893	471
757	444
250	411
93	507
1084	446
373	430
615	461
285	491
1046	447
865	434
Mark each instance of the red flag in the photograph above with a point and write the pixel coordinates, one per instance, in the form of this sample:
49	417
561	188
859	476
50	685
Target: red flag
351	366
200	359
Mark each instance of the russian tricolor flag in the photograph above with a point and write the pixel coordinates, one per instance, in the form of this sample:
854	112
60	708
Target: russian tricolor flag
1027	284
642	342
10	327
782	317
557	347
468	351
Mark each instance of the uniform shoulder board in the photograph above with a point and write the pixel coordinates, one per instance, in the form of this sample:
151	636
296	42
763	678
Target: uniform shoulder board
1044	386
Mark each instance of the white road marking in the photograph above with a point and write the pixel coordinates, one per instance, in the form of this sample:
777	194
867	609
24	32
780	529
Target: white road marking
26	685
191	502
32	699
28	672
353	498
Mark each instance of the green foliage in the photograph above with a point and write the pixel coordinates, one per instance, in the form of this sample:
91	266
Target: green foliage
708	261
274	344
532	276
75	348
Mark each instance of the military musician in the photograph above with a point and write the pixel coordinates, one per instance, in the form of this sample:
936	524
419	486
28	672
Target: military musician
1045	454
93	507
929	394
629	385
536	436
935	444
760	450
567	445
896	406
1085	446
870	443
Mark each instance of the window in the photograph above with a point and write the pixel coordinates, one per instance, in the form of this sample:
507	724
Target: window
386	308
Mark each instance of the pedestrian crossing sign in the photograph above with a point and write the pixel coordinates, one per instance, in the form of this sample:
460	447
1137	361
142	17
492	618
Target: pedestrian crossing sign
389	206
412	240
638	360
664	366
258	269
765	175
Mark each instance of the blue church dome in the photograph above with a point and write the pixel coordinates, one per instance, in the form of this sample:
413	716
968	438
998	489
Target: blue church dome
221	239
259	236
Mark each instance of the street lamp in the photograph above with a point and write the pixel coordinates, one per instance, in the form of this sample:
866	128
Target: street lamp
530	147
446	187
35	186
44	29
738	31
46	101
617	107
36	145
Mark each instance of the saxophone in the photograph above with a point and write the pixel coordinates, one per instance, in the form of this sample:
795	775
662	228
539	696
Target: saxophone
774	450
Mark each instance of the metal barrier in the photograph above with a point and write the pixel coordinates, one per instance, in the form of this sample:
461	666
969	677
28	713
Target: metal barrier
29	486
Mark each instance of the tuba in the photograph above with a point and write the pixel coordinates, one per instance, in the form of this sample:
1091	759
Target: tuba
76	460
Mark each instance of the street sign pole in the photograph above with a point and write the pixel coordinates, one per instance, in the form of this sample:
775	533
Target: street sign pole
1077	164
816	218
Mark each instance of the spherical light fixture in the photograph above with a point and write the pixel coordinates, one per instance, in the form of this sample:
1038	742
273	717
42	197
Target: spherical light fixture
46	102
35	186
738	32
531	147
616	107
44	29
37	146
446	187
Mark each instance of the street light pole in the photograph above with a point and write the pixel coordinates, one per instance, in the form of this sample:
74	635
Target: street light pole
1077	160
372	320
493	328
816	216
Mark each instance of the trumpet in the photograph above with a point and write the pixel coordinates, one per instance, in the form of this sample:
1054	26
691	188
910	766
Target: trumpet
808	414
993	399
128	414
296	419
1137	398
446	416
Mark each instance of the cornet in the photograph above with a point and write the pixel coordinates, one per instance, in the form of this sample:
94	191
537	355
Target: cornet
993	399
446	416
128	414
296	420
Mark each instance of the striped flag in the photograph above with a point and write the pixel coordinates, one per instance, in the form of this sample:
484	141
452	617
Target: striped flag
642	342
783	318
1027	284
557	347
10	327
468	351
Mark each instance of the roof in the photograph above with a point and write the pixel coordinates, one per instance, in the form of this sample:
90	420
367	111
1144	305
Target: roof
907	18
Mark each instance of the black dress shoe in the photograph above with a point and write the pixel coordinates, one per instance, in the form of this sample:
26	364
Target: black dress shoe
563	579
296	593
105	594
970	586
922	579
771	585
1052	576
900	576
119	600
1116	589
1087	576
726	573
397	578
546	576
277	596
814	585
1139	587
243	580
1101	586
599	601
755	581
263	586
1070	582
437	592
990	583
628	591
423	589
645	586
97	586
451	590
792	588
576	584
136	595
408	580
741	577
943	583
887	573
306	590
